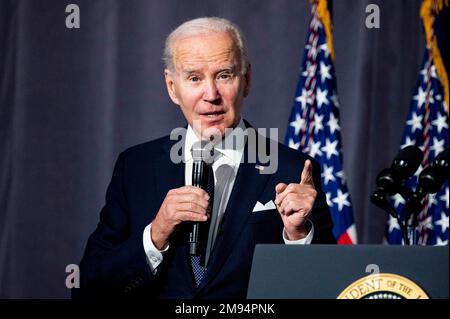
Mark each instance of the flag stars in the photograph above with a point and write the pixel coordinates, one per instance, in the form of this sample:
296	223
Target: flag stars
310	70
329	202
441	242
335	100
327	174
433	72
324	71
330	148
393	224
304	99
333	124
415	122
293	145
321	97
324	48
315	149
440	122
341	200
424	72
420	97
298	124
398	200
443	222
318	126
438	146
342	176
432	200
408	142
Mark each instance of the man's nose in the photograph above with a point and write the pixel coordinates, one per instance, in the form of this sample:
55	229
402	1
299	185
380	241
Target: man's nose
211	92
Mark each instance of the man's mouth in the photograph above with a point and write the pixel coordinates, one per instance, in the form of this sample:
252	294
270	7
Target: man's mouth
213	114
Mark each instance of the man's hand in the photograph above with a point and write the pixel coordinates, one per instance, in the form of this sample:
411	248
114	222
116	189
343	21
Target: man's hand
187	203
294	203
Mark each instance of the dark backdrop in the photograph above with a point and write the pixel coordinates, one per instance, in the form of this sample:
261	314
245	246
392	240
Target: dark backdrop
71	100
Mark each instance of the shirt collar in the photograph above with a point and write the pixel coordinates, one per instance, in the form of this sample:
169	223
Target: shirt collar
226	147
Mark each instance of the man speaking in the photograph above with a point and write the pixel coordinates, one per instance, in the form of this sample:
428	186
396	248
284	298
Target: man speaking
142	243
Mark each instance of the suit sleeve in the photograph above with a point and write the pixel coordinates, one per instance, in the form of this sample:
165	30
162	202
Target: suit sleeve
320	216
114	262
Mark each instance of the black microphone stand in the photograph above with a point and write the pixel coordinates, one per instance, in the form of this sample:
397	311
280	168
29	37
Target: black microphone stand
380	200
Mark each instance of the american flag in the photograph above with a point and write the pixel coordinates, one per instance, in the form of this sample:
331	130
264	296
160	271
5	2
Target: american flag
426	127
314	121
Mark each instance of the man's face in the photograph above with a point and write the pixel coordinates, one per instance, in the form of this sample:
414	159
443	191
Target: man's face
207	82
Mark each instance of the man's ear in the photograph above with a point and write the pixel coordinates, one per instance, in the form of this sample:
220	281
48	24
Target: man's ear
171	87
248	79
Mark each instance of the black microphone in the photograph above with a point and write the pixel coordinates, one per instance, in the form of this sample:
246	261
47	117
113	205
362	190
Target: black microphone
431	180
202	154
390	180
432	177
407	160
404	165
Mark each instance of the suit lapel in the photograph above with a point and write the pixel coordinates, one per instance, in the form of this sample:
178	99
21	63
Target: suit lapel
168	174
248	186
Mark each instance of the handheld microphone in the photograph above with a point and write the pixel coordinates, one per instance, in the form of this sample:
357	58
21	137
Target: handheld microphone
202	153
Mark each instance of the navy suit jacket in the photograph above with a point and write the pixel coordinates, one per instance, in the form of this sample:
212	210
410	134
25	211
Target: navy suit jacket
114	261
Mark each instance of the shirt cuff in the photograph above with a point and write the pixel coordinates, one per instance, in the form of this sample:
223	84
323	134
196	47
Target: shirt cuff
304	241
154	255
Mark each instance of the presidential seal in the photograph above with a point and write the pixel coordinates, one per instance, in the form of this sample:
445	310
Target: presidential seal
383	286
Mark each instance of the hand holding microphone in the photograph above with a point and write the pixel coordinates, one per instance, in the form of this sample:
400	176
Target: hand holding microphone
187	203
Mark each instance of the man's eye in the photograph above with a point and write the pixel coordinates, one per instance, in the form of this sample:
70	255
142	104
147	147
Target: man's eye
194	79
224	76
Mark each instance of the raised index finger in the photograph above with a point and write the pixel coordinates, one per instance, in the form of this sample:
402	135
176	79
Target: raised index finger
306	177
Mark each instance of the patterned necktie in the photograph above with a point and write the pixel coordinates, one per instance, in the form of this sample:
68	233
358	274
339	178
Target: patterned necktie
198	261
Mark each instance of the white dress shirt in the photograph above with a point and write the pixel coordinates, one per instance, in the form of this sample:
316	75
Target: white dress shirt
228	156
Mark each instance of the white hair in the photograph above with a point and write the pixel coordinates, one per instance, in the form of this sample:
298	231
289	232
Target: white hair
206	26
